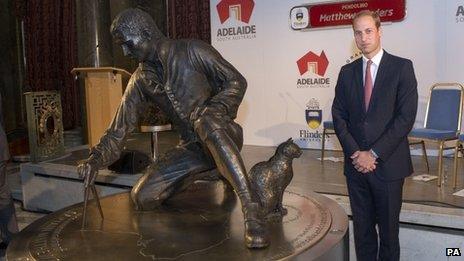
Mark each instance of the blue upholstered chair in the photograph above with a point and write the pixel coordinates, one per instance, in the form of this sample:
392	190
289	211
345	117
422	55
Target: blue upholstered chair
459	146
442	120
328	129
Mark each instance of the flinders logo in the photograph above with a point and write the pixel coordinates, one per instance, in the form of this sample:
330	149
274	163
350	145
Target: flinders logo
299	18
313	114
313	119
313	66
237	13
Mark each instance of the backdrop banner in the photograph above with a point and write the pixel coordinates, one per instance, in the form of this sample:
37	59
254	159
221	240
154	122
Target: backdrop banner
292	73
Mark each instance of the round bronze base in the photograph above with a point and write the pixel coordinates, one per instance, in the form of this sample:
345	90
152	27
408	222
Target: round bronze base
204	222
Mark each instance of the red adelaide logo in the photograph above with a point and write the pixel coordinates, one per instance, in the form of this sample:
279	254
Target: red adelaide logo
240	9
312	62
316	64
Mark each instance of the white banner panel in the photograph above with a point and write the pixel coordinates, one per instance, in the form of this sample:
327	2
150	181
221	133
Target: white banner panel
292	74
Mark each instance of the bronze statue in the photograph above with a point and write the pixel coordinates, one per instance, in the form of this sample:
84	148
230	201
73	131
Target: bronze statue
270	178
200	93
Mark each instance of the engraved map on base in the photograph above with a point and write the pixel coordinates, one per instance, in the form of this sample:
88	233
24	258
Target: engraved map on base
205	221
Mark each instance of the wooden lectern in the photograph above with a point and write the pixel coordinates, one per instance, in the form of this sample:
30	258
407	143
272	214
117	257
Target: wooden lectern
103	93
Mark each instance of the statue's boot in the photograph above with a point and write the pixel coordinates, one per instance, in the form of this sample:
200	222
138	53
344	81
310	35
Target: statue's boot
255	230
226	155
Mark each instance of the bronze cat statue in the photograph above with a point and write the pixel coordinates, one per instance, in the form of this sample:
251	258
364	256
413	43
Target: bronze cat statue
268	179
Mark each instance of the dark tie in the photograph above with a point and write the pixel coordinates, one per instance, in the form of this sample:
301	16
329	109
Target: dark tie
368	86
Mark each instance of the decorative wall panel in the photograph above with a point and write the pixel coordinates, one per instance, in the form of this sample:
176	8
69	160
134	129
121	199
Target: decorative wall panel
45	125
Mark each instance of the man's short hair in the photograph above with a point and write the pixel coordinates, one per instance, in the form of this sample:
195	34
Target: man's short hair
134	21
370	13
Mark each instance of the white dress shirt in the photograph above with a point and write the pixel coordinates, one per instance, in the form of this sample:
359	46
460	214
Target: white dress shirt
374	66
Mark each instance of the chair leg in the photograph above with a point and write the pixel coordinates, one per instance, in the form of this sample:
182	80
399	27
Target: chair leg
440	163
323	146
455	170
424	155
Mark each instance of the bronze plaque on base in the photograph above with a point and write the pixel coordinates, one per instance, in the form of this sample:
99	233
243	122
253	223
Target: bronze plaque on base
204	222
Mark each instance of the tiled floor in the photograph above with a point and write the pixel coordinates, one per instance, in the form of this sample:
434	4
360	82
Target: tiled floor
25	217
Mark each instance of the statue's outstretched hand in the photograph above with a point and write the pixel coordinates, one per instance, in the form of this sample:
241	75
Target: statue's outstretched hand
88	172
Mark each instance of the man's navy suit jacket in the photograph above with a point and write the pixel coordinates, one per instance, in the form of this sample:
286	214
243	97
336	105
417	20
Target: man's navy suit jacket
389	119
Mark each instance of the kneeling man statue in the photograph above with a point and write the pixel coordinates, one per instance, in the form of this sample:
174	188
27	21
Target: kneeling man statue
200	93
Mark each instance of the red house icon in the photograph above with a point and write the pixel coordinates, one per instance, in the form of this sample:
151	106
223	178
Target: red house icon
312	62
240	9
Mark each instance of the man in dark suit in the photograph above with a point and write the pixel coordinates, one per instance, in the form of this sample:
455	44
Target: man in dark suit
373	111
8	225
